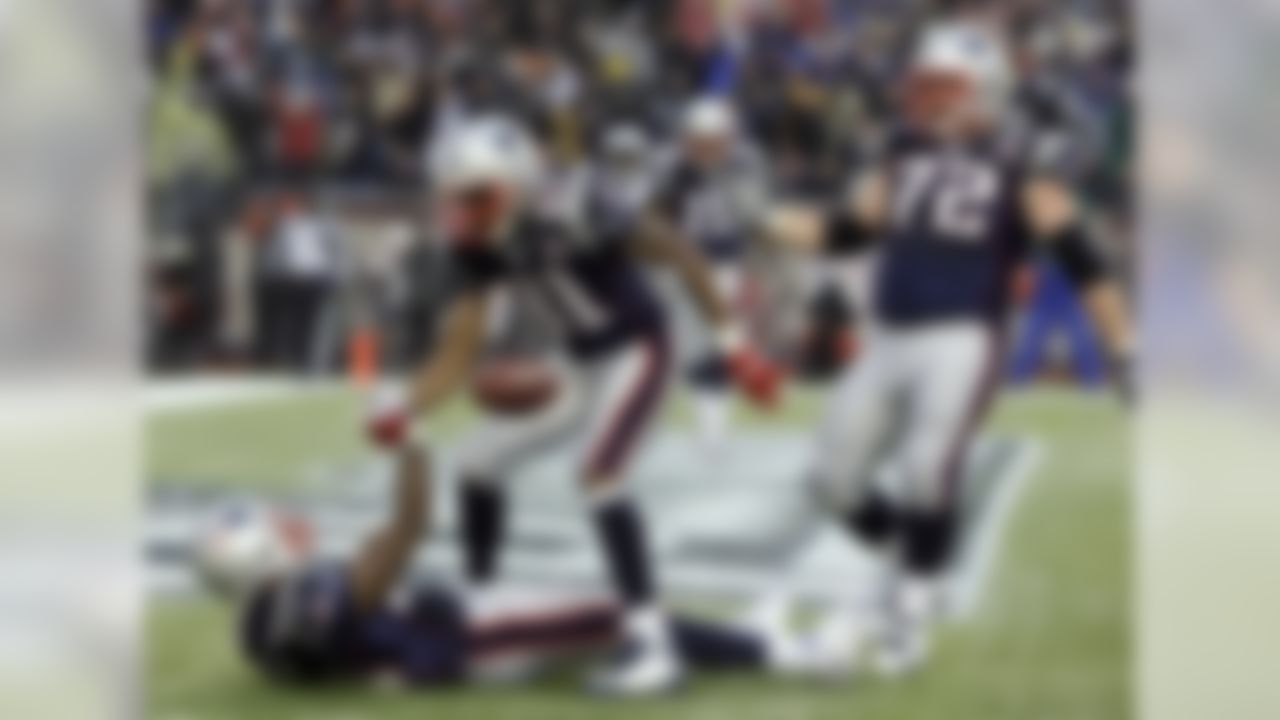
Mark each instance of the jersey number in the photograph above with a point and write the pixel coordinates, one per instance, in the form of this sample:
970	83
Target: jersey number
954	196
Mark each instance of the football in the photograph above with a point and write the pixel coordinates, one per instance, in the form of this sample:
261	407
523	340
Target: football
515	385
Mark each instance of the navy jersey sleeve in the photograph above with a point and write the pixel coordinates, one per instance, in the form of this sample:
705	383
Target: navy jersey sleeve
477	268
300	628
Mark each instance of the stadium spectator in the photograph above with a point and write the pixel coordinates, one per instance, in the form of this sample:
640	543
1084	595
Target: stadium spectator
299	272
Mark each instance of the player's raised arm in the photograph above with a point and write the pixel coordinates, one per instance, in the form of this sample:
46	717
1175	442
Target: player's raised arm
850	226
382	561
439	375
657	240
1054	217
455	353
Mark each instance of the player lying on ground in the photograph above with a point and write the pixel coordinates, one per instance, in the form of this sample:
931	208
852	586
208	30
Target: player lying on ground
592	280
955	210
310	620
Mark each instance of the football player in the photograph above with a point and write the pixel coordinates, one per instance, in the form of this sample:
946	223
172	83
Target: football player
615	341
310	620
714	191
954	212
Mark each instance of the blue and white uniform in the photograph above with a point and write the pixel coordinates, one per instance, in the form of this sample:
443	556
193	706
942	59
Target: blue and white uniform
956	233
942	287
718	208
306	628
615	360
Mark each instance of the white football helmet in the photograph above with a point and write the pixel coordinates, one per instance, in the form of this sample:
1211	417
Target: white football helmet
965	62
484	172
710	131
245	544
710	117
492	150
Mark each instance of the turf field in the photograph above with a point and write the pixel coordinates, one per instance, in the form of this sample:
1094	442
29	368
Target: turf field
1050	640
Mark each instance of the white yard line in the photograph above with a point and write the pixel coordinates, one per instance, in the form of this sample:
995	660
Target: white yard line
572	561
170	395
973	577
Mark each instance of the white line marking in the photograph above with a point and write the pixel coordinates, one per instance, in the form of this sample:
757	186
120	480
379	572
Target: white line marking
204	392
973	578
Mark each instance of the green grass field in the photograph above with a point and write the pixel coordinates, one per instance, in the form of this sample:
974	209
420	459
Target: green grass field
1051	641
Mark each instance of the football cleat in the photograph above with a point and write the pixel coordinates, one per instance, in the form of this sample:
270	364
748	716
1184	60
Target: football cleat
905	633
834	644
638	669
902	649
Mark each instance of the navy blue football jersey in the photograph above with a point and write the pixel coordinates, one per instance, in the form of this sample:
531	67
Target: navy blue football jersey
955	232
306	628
718	209
591	282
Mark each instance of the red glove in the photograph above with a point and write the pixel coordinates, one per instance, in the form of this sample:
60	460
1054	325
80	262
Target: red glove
387	421
756	375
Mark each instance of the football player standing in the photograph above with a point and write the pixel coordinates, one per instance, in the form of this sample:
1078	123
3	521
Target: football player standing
615	342
954	211
714	190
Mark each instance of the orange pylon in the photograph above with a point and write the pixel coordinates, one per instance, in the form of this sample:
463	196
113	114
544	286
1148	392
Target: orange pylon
362	355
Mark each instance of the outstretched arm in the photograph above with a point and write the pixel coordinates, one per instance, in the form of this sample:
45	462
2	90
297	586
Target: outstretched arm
656	240
389	419
454	355
1054	217
759	378
386	554
850	226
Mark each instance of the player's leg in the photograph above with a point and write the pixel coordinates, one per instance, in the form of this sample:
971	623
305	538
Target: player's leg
856	428
776	647
513	638
531	635
625	399
859	427
953	372
486	458
537	634
709	376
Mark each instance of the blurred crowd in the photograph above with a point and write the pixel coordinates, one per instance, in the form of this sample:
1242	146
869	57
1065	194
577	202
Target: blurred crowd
288	138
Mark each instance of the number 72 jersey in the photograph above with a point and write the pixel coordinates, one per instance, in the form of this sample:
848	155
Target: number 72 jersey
955	234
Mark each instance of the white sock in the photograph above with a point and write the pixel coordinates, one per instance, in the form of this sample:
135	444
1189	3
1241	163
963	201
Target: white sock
481	600
920	599
712	412
648	625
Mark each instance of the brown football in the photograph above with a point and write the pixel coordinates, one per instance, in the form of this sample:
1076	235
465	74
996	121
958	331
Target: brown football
514	385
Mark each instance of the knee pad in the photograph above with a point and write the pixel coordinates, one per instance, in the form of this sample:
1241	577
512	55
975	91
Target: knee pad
875	519
929	540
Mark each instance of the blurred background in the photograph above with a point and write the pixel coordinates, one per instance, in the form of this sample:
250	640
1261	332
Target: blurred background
288	141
